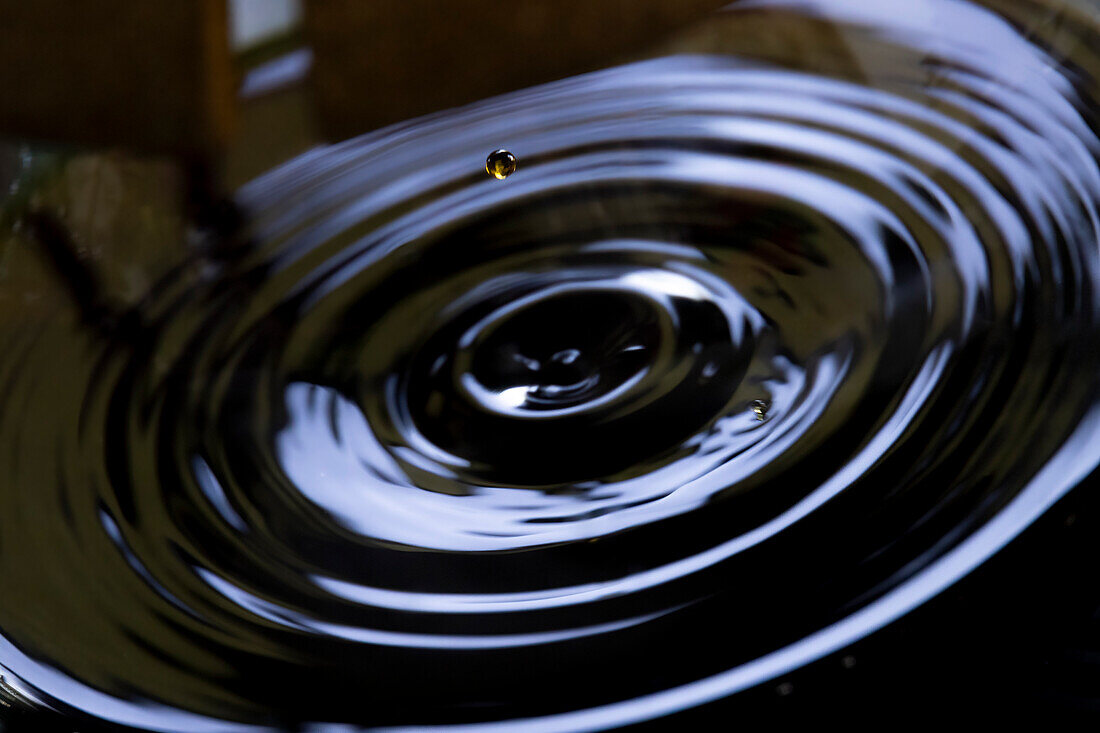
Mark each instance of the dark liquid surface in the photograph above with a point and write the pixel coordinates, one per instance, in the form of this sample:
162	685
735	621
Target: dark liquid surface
756	352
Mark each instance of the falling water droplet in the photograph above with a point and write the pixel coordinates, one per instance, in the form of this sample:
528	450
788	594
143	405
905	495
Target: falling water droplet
500	164
760	409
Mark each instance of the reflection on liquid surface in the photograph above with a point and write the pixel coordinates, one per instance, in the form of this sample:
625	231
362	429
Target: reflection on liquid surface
757	352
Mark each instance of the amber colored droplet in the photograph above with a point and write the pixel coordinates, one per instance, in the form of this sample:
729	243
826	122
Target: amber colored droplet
760	409
500	164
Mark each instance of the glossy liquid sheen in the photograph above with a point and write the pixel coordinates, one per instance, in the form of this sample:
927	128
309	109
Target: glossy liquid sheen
758	350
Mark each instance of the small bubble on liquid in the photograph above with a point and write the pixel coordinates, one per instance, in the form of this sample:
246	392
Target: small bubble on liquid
500	164
760	409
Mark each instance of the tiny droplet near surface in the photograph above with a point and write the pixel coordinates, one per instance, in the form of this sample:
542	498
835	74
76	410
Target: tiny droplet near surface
760	409
500	164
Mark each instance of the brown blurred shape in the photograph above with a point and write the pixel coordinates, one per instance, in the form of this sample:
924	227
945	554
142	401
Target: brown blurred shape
158	76
381	61
145	74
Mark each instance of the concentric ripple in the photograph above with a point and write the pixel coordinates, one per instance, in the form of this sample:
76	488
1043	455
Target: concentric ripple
436	443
